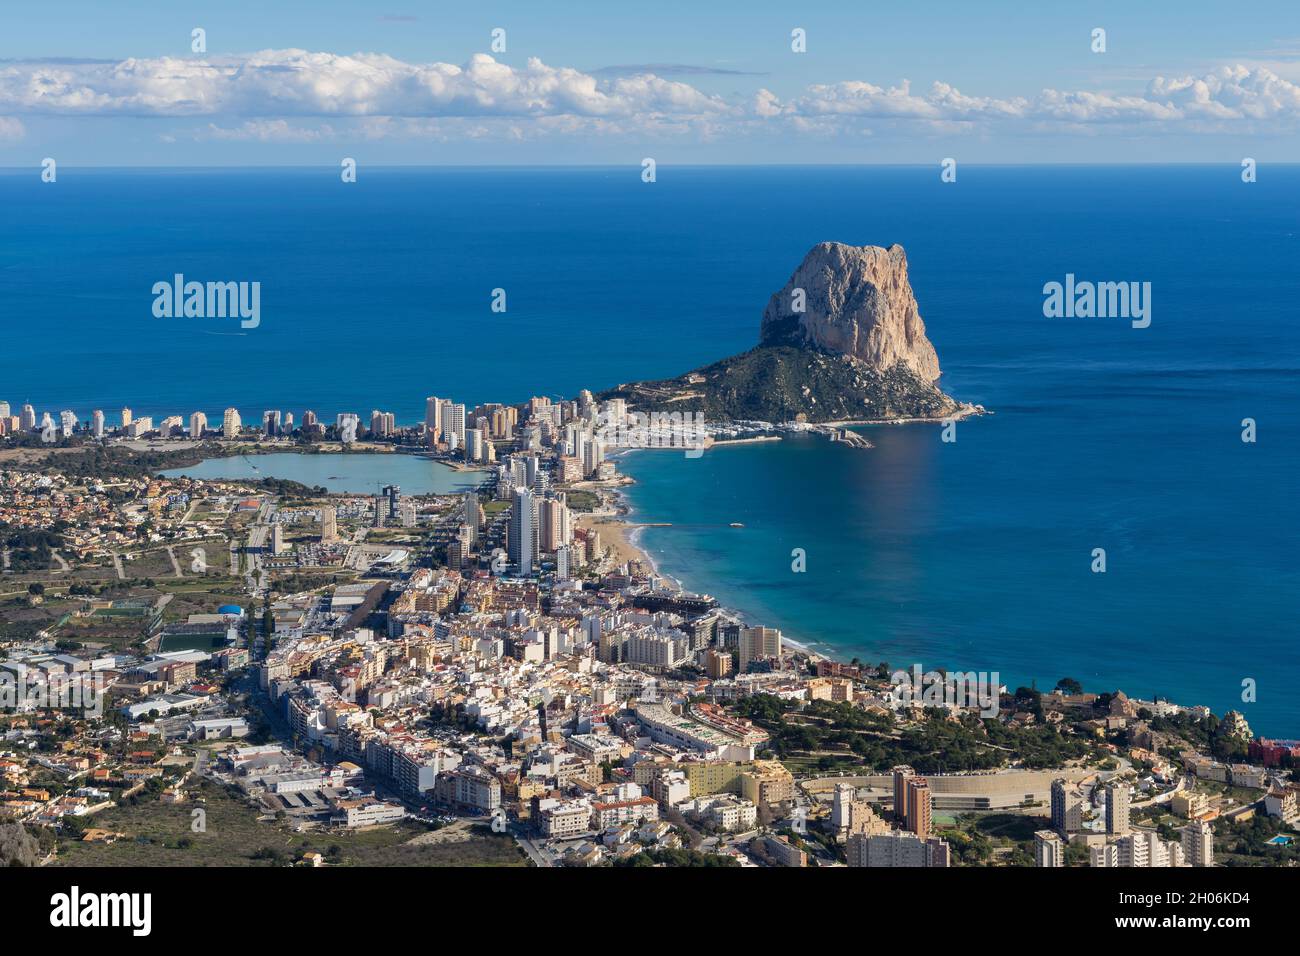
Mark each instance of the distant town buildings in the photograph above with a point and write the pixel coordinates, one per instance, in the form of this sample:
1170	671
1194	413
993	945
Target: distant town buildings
487	654
897	849
1140	849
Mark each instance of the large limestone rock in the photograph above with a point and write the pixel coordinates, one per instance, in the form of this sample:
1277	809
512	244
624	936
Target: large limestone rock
857	301
857	351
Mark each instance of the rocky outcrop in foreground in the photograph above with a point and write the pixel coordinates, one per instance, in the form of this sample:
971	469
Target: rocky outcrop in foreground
842	340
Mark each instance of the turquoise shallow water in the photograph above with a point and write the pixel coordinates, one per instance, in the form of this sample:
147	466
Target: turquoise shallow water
968	555
972	554
356	473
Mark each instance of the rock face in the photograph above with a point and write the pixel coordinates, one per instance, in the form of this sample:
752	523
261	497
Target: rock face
857	351
857	301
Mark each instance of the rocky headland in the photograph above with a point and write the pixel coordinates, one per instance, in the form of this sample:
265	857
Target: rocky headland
841	341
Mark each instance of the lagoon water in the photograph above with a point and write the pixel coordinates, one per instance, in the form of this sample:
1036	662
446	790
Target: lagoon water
341	473
974	554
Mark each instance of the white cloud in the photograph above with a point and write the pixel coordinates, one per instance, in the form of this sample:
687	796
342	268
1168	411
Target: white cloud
1232	92
11	128
299	83
857	98
268	131
300	96
1086	107
766	104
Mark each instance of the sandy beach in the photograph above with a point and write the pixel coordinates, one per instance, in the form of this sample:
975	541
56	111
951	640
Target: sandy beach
618	535
622	537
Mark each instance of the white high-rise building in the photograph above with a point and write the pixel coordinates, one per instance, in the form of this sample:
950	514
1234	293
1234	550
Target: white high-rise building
1048	849
457	424
1117	805
97	423
523	531
1198	844
198	425
1141	849
27	418
231	423
126	417
473	445
842	806
518	472
67	423
433	418
656	648
554	524
444	419
757	643
593	453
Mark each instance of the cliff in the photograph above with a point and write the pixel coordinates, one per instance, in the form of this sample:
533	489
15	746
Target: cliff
856	301
842	340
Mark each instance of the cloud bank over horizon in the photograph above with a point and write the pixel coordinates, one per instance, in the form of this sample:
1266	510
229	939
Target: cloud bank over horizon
294	95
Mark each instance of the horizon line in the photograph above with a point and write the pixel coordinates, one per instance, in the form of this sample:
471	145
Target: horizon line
636	164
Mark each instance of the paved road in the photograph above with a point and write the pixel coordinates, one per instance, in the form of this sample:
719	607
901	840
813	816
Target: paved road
534	852
255	575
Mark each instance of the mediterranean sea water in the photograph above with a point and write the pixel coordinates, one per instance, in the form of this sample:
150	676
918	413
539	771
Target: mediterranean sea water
974	554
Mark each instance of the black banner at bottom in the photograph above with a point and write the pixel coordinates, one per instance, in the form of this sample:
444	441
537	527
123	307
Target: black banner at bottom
148	905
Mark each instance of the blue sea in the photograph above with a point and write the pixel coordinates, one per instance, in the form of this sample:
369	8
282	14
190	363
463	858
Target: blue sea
972	554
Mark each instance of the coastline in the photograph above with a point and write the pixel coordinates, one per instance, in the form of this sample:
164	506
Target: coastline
616	519
631	532
964	411
621	537
628	536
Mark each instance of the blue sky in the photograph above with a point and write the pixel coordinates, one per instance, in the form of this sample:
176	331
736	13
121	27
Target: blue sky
582	82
